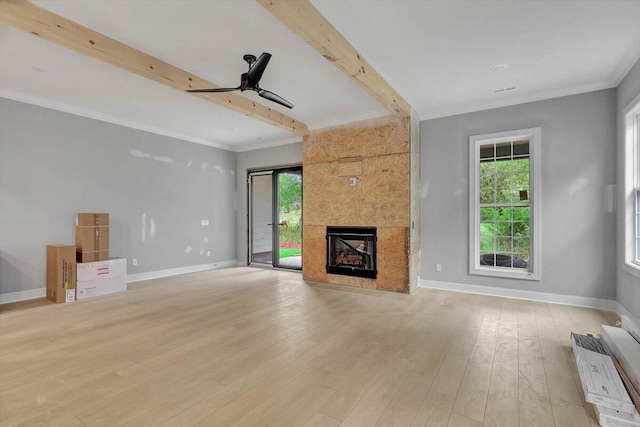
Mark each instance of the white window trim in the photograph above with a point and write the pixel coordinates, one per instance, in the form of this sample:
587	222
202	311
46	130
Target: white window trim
631	180
534	135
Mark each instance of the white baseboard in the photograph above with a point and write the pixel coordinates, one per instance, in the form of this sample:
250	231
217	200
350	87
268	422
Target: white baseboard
180	270
23	295
42	292
601	304
621	310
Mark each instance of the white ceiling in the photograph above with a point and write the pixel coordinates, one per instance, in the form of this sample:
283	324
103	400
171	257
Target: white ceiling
439	54
436	54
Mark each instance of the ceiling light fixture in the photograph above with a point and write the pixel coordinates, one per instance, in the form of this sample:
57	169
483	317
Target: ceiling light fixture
500	67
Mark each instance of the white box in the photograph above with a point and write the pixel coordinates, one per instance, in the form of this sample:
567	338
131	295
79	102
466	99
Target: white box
600	380
626	350
94	288
632	326
610	418
114	267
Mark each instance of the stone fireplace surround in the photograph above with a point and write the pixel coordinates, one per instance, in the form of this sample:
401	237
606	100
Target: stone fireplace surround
376	153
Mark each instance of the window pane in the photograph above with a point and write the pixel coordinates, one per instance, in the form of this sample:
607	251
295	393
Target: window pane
521	213
520	229
487	245
503	228
519	261
521	246
503	149
489	214
487	168
505	214
487	195
487	230
521	164
637	225
504	245
520	148
503	188
520	187
487	180
487	151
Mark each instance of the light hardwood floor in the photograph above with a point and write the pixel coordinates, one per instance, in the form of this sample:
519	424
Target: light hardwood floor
248	347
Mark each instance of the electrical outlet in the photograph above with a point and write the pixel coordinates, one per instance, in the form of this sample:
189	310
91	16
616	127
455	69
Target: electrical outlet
204	222
353	181
134	261
438	267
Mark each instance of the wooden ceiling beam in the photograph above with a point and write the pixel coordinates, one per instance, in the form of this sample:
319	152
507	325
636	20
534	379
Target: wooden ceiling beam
28	17
309	24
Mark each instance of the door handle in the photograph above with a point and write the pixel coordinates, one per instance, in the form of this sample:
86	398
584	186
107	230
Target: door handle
270	224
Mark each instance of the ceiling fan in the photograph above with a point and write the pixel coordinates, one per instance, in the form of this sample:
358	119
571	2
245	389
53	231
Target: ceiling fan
250	80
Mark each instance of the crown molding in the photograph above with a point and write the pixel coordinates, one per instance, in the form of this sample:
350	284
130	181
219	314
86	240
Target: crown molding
626	63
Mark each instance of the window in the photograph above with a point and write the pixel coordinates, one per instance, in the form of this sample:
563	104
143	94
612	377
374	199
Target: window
632	187
504	217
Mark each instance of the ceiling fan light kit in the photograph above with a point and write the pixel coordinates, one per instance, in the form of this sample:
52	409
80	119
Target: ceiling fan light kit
251	79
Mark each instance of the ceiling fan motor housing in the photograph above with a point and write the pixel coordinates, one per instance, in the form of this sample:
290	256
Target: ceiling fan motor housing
250	59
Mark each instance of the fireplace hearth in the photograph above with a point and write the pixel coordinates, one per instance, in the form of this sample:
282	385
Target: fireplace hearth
351	251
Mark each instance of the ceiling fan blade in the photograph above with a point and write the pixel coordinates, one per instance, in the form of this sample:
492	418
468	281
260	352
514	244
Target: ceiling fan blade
220	89
257	69
275	98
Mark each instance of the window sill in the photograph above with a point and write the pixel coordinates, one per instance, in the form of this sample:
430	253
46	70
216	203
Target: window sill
632	269
495	272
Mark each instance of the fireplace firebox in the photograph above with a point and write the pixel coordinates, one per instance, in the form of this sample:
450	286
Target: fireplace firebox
351	251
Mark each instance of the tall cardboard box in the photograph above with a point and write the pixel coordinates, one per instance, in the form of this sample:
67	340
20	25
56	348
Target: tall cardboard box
92	237
92	219
61	273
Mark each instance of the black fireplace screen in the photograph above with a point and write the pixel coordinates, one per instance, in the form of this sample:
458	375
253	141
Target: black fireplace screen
352	251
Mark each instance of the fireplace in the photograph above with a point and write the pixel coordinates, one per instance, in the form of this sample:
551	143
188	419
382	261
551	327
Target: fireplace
351	251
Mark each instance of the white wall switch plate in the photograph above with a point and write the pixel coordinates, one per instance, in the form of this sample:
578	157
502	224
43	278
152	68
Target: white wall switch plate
353	181
438	267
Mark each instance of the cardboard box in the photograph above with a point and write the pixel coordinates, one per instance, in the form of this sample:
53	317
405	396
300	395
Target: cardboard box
94	288
92	219
61	273
93	256
90	239
114	267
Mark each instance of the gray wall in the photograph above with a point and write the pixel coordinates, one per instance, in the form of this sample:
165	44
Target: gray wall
628	285
53	165
578	161
284	155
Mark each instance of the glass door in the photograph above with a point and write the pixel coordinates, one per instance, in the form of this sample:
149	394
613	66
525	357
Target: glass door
287	203
261	217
